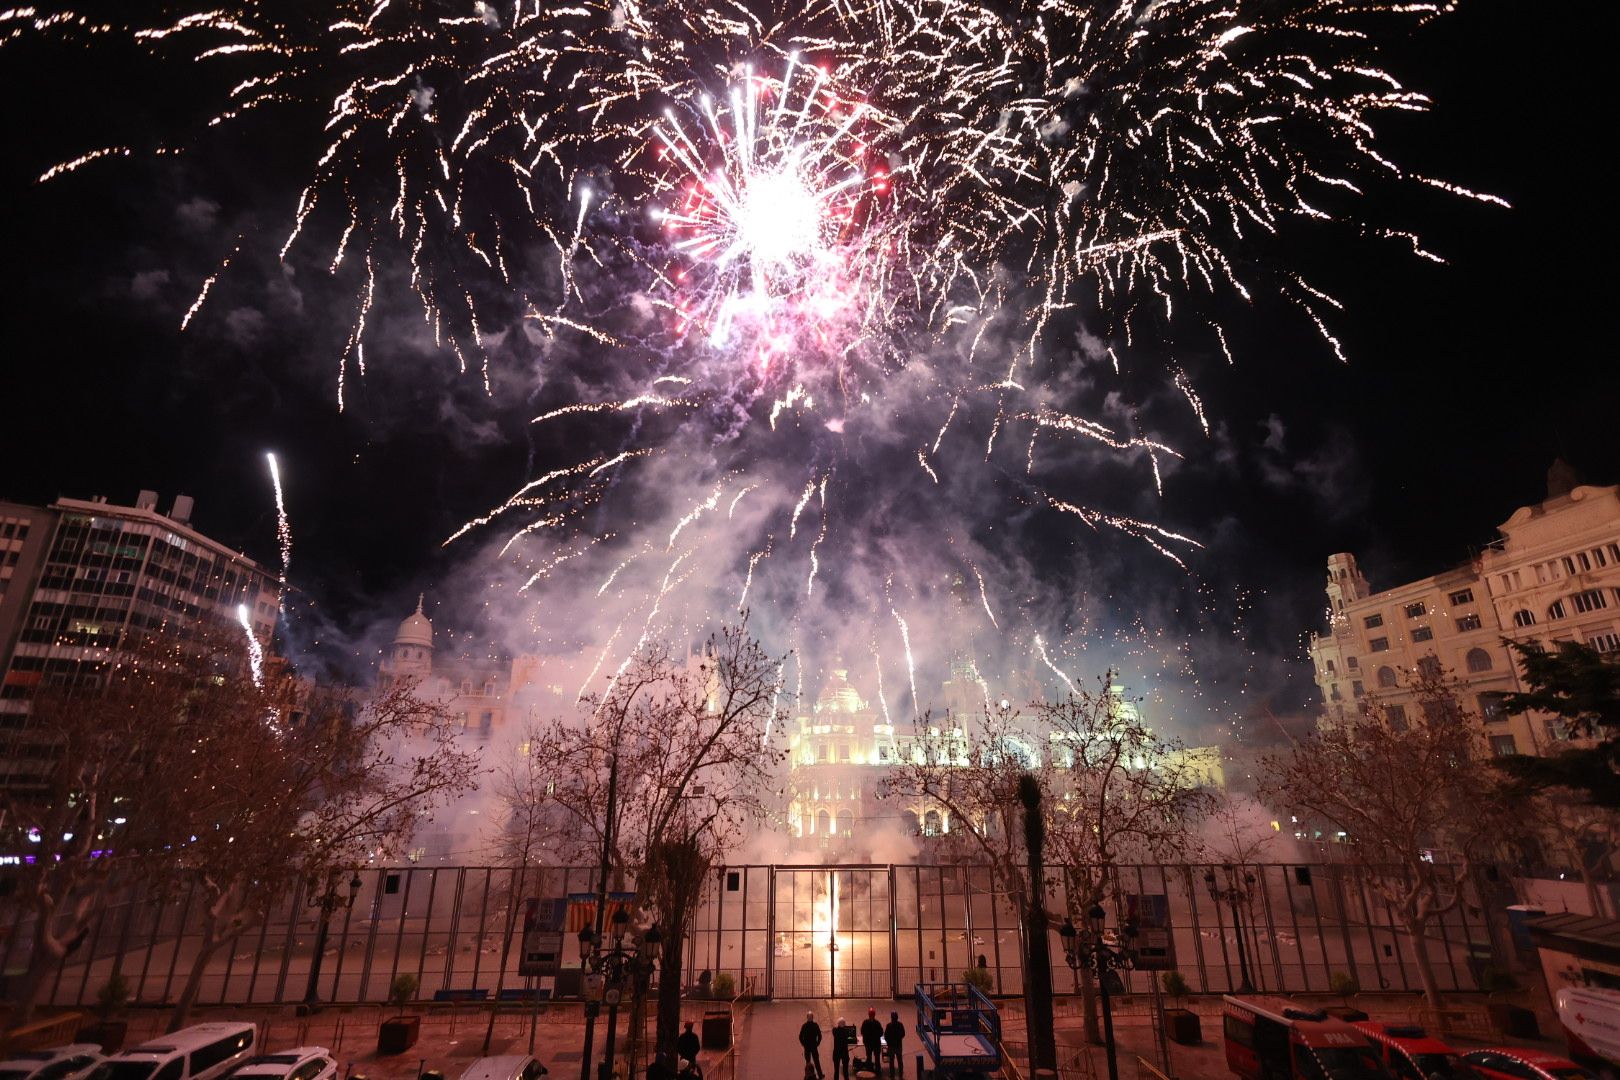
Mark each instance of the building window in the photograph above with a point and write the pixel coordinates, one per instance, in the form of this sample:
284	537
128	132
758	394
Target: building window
1429	666
1478	660
1416	610
1461	596
1373	621
1331	669
1569	566
1555	610
1395	717
1599	557
1586	563
1357	689
1379	644
1604	643
1422	633
1350	662
1386	678
1523	618
1590	600
1491	708
1503	745
1468	622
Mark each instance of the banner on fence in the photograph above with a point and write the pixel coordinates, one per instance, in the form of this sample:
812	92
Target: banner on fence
543	922
1155	948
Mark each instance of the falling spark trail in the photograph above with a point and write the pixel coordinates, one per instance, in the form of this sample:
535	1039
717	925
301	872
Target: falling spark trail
255	650
283	528
208	283
1040	650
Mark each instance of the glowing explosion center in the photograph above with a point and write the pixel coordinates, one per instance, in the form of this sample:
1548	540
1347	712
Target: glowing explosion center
775	214
779	219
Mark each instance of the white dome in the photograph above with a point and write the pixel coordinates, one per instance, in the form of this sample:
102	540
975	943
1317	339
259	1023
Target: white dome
417	629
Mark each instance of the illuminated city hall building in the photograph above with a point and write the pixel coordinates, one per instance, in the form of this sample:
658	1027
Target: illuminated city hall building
841	750
1551	576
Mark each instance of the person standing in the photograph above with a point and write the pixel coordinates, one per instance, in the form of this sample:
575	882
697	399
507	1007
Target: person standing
688	1045
872	1037
895	1035
810	1039
843	1039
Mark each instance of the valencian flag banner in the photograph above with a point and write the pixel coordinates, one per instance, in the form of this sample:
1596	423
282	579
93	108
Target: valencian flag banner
582	909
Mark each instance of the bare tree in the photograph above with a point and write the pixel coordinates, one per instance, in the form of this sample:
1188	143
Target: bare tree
686	754
309	785
1112	790
109	763
1586	834
1418	803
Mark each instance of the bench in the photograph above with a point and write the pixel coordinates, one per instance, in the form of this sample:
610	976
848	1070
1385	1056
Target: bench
517	993
474	994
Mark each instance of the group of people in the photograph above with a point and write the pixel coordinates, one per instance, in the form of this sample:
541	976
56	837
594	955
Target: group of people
880	1043
687	1047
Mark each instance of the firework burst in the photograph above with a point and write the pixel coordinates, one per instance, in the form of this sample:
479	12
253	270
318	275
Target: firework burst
891	214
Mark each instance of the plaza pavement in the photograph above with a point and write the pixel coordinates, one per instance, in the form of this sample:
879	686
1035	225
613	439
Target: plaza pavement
766	1036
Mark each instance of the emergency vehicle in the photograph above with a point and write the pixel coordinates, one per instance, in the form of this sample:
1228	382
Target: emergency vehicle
1274	1039
1413	1054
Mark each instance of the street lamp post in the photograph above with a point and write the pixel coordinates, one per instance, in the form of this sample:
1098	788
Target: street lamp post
328	900
610	967
1089	948
1234	895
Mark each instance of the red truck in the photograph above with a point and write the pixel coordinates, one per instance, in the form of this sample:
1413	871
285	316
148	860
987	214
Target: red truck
1274	1039
1413	1054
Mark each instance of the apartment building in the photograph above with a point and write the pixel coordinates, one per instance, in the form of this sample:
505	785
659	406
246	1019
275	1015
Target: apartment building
79	576
1552	575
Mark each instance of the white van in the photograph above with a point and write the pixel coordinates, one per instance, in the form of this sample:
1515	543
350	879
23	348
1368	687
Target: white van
199	1052
1591	1019
505	1067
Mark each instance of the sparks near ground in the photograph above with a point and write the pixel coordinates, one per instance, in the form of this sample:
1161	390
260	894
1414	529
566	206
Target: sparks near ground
867	234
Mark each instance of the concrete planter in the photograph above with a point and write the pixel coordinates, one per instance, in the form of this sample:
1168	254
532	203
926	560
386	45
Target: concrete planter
398	1034
1513	1020
717	1029
1183	1026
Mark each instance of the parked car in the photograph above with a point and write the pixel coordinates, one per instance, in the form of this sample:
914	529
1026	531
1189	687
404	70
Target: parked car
299	1063
1412	1054
1272	1039
1591	1019
505	1067
70	1062
199	1052
1518	1063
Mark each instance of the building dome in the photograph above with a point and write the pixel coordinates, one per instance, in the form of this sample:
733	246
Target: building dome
417	629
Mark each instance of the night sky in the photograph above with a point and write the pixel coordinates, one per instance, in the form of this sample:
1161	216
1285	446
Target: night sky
1464	380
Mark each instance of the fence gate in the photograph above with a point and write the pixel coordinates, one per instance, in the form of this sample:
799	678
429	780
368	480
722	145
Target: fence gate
832	932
